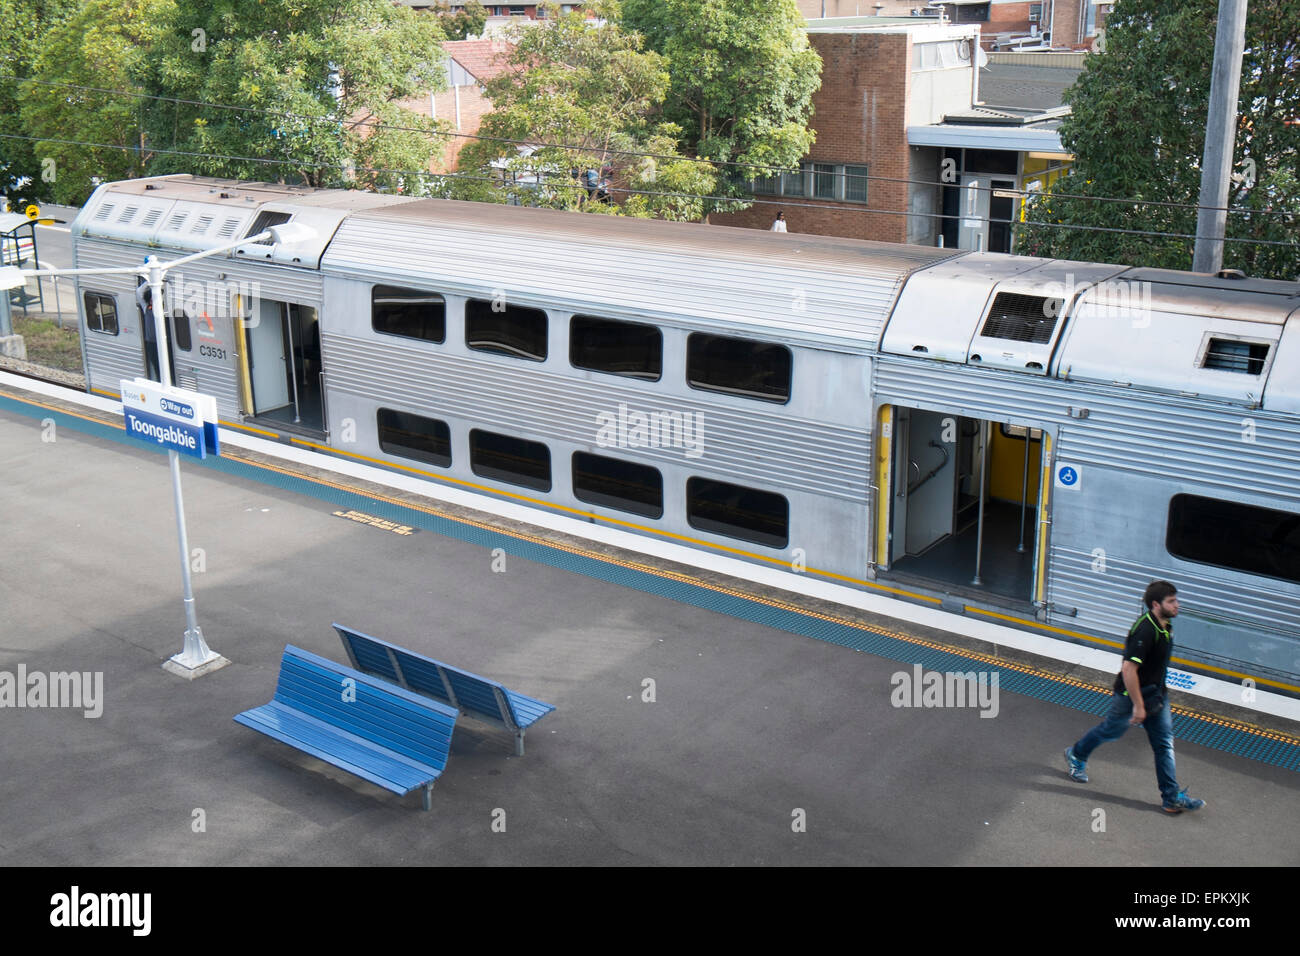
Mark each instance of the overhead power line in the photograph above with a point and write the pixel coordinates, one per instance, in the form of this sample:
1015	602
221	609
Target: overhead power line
426	174
766	171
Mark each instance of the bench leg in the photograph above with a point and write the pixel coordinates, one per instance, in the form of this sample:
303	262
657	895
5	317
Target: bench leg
428	796
519	743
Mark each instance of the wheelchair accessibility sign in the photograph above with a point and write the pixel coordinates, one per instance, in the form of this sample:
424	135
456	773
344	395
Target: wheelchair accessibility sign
1069	477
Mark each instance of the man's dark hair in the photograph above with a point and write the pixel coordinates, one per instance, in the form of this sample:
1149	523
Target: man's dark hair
1157	591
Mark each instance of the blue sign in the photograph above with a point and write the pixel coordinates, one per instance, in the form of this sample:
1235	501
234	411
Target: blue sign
1068	475
172	418
167	433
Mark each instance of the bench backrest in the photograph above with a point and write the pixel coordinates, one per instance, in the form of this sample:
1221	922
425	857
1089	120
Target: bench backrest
403	722
423	675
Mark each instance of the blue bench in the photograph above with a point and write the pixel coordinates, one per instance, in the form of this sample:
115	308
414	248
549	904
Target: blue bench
379	732
477	696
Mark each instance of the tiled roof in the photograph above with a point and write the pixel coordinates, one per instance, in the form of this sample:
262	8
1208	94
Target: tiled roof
482	59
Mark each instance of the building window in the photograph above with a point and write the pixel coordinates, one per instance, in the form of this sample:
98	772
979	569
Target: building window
414	436
972	13
1035	12
818	180
180	325
510	330
516	461
716	363
409	313
1239	537
738	512
618	484
616	348
101	313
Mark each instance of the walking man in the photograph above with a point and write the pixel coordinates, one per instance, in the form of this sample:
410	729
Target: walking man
1142	698
778	224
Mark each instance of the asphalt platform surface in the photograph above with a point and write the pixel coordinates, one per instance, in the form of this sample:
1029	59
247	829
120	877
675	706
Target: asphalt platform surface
761	747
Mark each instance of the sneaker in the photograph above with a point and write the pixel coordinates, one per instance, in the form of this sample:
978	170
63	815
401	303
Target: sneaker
1076	767
1182	802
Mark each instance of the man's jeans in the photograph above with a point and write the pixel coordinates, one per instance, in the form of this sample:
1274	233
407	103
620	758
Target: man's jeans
1160	731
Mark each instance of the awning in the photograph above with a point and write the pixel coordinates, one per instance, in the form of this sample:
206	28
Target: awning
970	136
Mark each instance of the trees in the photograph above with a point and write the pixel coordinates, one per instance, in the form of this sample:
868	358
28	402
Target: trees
581	95
468	21
1137	130
742	78
101	47
311	75
23	25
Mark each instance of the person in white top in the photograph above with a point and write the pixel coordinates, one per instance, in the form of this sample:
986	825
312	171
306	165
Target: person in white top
779	224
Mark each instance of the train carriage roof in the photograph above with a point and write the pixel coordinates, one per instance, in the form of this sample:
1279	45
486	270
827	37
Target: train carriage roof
813	289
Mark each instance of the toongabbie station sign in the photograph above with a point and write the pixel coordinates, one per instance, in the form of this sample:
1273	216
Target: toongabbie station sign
172	418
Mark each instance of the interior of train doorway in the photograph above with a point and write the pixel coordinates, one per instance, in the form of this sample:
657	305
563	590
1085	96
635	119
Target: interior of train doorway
280	365
963	503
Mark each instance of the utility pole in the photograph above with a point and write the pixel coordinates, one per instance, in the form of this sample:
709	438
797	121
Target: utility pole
1220	136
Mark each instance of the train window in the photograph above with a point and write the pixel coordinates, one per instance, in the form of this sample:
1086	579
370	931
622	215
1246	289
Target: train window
1022	318
414	437
101	313
180	323
715	363
514	460
409	313
618	484
506	329
737	512
617	348
1235	355
1235	536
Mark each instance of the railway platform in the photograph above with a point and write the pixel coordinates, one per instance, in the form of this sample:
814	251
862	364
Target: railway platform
699	720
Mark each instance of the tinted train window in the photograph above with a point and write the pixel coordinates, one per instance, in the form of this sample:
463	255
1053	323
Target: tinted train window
506	458
180	323
508	330
1235	536
737	512
414	437
618	484
619	348
101	313
715	363
408	312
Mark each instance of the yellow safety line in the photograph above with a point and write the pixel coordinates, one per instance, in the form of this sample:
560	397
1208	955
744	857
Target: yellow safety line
687	579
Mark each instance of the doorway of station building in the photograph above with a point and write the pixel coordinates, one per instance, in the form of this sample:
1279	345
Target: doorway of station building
963	499
280	365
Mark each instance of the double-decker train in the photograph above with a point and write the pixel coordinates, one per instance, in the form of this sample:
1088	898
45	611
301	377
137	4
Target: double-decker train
1033	439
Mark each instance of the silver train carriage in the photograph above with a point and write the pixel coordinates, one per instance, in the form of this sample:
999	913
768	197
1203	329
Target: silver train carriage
1031	440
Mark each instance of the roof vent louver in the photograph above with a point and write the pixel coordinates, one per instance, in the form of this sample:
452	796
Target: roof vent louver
228	229
177	221
104	211
1235	355
264	221
128	214
151	218
1022	318
202	225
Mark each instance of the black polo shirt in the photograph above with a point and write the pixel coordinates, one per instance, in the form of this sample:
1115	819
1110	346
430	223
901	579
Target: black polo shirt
1149	647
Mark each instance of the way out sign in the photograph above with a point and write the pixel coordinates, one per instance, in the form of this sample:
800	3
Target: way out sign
172	418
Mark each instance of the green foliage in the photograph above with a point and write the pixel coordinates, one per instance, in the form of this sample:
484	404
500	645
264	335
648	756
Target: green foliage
315	77
1137	129
101	47
588	93
23	28
742	78
466	22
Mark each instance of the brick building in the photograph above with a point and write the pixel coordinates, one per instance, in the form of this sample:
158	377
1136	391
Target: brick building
470	64
909	148
1059	24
